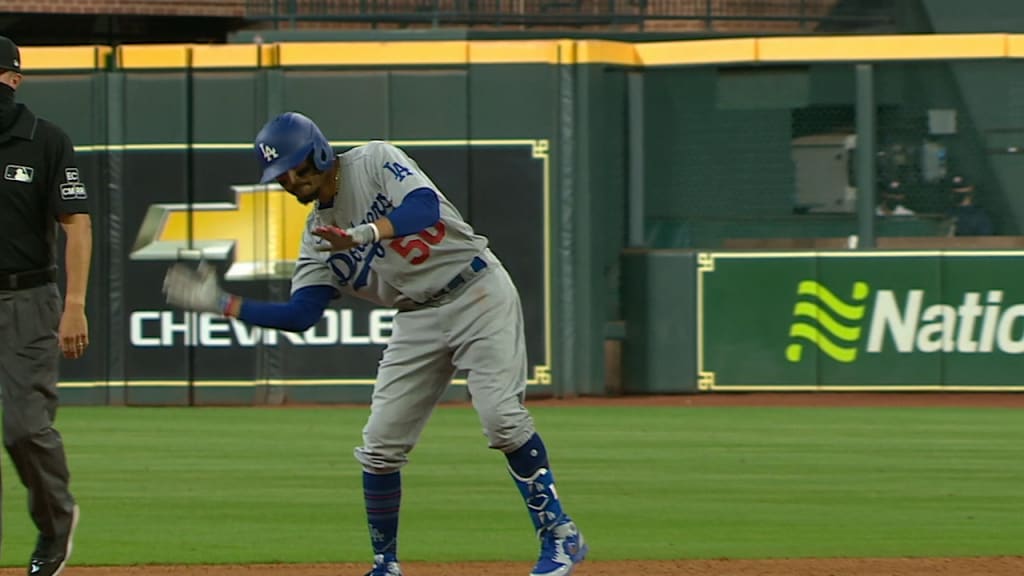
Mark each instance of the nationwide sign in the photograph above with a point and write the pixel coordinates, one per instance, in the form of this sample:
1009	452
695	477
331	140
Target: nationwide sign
978	324
864	320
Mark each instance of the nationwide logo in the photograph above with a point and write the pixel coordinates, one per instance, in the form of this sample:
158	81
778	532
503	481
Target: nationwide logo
827	321
260	232
904	321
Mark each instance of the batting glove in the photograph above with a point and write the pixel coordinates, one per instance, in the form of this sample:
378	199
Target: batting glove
364	234
196	289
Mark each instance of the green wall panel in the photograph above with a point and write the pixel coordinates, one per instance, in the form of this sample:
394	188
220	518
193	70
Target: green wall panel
513	100
607	163
658	306
347	105
66	99
947	16
429	104
156	107
832	84
762	88
226	105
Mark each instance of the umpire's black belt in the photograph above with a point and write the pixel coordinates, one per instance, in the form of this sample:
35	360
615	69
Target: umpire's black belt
461	278
26	280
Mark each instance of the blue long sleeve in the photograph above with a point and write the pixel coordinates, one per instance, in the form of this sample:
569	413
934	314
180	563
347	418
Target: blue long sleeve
302	311
418	210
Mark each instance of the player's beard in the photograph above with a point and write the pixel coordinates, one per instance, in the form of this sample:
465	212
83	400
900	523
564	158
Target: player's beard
308	198
309	190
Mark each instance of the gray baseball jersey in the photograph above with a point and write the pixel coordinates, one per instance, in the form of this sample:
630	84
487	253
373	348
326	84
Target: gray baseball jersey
374	179
477	328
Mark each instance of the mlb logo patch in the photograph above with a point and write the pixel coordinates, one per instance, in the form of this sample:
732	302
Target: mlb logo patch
16	173
73	192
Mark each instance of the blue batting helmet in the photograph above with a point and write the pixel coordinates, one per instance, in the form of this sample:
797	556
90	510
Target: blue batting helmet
284	142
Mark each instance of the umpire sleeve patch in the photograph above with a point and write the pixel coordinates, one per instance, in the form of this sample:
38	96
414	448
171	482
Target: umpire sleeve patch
74	191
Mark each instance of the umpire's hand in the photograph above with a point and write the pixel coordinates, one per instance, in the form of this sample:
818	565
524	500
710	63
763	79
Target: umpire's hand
74	330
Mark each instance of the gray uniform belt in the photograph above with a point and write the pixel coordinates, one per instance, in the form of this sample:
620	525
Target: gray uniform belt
26	280
461	278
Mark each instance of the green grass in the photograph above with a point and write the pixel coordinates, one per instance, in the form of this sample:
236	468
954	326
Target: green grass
211	485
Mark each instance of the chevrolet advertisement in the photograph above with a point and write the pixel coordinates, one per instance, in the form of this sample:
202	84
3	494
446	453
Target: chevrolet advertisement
168	203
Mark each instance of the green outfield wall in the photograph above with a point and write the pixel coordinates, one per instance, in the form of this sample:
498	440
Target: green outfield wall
530	139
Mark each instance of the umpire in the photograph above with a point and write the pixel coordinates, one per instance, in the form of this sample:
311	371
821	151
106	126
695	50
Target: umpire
40	188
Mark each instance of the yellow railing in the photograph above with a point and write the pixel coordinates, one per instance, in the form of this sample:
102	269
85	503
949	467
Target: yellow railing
557	51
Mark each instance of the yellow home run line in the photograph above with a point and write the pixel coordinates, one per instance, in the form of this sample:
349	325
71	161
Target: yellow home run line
857	48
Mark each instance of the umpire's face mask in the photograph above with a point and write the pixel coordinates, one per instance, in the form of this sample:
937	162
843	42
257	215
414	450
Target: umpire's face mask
8	110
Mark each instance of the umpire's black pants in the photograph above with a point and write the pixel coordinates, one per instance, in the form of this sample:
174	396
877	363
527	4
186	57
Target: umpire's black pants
29	359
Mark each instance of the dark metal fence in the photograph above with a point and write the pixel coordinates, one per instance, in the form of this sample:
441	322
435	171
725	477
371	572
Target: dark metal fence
711	15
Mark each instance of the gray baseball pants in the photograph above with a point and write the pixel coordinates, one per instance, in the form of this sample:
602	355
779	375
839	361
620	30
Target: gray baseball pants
478	330
29	360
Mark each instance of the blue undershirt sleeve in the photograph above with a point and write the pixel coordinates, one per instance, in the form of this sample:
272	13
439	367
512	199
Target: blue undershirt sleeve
419	209
302	311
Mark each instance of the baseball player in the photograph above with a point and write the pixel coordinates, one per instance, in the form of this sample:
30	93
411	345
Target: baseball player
382	231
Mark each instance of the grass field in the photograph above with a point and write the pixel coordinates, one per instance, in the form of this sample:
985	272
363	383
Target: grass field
244	485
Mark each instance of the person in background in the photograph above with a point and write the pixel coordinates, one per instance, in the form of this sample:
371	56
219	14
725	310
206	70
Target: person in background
969	219
891	201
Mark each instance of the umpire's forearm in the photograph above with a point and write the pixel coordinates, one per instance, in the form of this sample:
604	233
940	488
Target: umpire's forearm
77	256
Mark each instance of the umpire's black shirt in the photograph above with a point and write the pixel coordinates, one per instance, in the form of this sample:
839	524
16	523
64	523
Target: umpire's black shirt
40	181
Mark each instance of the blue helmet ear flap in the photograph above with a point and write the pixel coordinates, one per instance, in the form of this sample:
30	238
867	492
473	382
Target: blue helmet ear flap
286	141
323	154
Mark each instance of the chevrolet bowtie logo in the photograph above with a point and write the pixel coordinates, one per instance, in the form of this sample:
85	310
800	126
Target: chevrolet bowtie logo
260	232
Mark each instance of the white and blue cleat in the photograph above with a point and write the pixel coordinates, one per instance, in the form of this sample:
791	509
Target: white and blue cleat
385	565
561	548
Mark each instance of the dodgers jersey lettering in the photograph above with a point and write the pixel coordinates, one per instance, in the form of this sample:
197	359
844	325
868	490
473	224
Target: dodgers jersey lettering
373	180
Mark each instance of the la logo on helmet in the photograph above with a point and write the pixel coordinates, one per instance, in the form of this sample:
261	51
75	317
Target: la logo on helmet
269	152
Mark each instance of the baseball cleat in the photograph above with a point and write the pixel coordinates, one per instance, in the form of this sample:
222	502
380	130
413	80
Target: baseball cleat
44	561
385	565
561	548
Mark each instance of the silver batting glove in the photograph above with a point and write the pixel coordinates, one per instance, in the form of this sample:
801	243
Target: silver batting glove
363	234
195	289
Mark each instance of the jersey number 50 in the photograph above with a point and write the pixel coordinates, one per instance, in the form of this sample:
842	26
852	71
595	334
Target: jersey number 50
416	247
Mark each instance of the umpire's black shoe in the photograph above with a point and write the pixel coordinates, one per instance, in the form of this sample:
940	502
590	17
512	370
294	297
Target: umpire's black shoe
44	562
